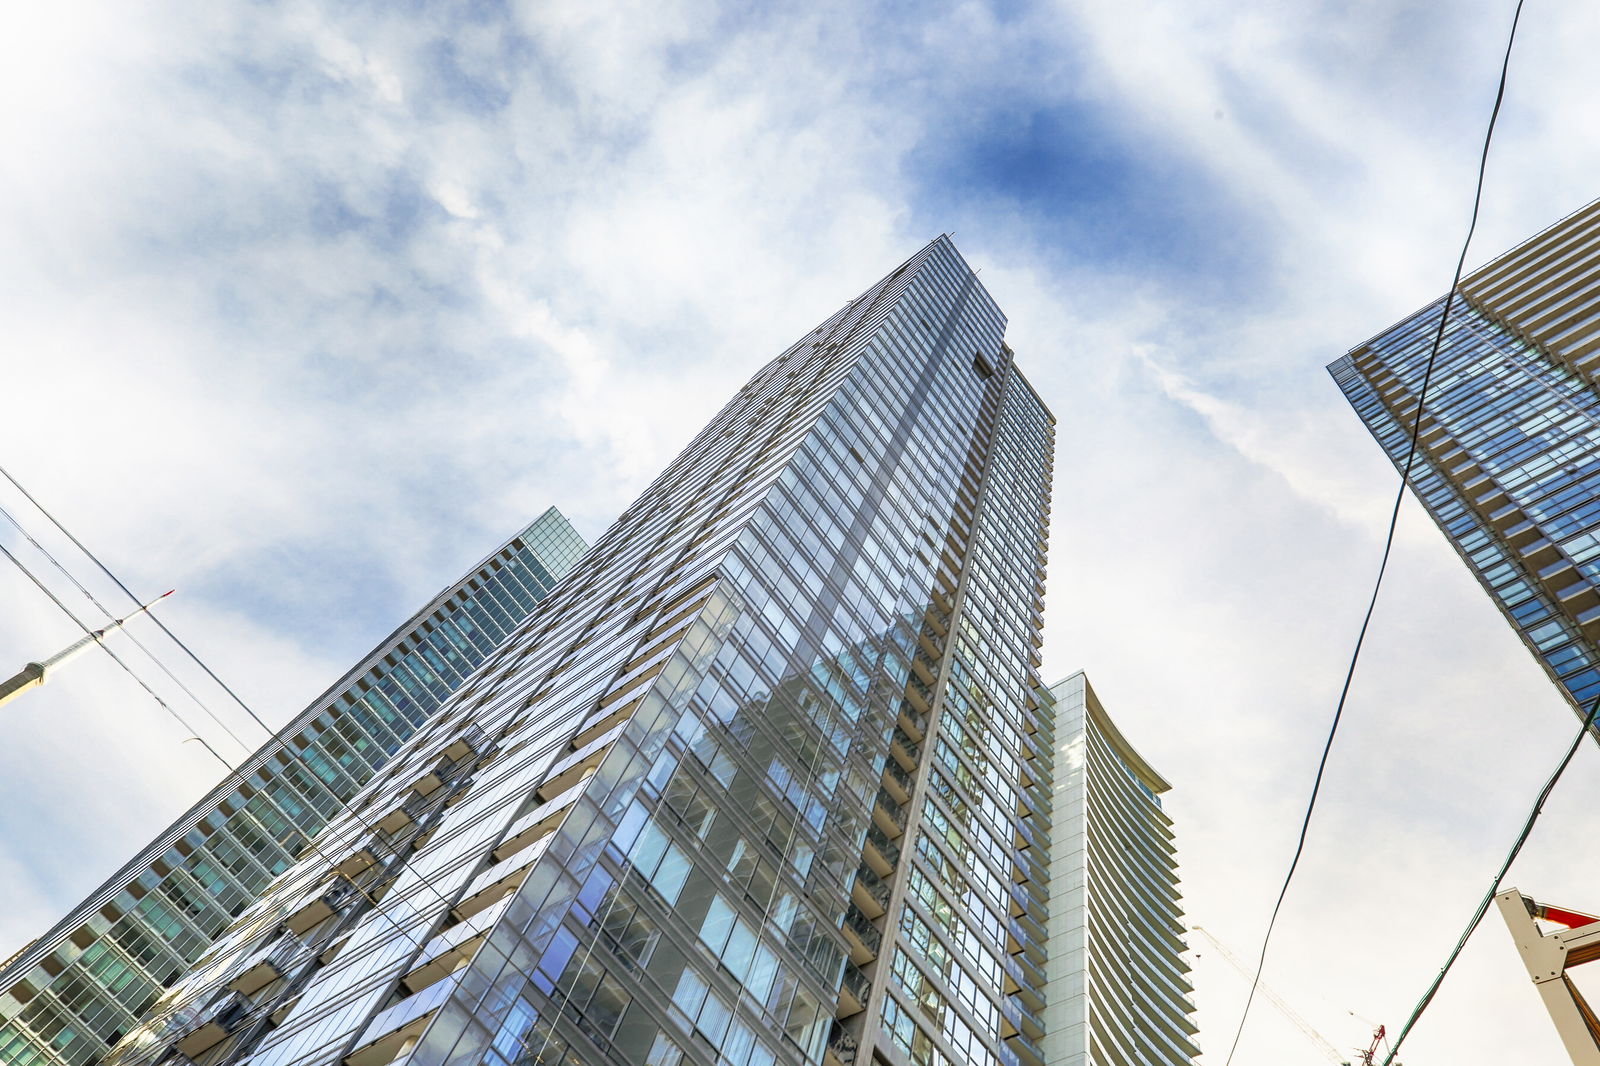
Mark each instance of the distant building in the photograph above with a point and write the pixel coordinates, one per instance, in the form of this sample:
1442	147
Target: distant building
1508	461
767	779
1118	991
72	993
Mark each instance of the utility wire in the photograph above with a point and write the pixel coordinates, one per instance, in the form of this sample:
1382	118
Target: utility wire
1494	885
1394	521
232	771
115	657
90	596
130	594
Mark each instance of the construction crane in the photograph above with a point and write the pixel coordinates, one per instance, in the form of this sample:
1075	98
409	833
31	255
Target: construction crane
1380	1037
32	675
1332	1053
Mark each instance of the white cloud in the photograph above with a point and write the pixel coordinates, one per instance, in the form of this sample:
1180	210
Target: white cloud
312	304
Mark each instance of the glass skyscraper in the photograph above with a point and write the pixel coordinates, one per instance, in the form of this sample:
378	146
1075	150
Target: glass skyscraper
766	779
1118	984
1508	459
72	993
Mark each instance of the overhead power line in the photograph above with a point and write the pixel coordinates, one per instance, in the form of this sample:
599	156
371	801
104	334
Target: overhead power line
135	641
104	569
233	773
34	674
31	576
1494	885
1394	521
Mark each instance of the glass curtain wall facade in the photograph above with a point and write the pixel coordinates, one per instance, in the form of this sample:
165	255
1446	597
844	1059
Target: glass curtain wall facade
72	993
1508	458
764	781
1119	990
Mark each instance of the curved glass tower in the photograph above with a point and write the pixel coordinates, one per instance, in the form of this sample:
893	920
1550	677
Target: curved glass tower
1119	991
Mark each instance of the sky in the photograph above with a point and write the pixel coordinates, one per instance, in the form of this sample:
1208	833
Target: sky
310	305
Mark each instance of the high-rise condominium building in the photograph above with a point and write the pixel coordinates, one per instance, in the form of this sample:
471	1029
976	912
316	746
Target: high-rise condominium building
1118	990
1508	458
766	779
75	991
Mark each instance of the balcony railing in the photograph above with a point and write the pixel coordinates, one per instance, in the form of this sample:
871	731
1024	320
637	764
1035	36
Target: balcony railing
899	776
891	807
902	740
888	849
875	886
858	925
843	1045
853	990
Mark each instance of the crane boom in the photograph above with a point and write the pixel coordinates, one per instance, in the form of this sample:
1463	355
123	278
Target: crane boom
1276	1000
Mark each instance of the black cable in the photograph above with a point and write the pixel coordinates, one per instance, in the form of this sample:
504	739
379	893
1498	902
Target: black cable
114	656
1494	885
135	641
1394	521
345	805
231	770
129	593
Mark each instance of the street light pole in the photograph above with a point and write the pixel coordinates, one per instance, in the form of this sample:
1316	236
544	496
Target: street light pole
34	674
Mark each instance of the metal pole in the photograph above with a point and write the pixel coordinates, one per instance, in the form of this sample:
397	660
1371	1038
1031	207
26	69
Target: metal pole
34	674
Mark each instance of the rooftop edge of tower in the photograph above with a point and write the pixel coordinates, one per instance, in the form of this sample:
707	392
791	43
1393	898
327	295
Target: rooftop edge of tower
1096	711
1587	215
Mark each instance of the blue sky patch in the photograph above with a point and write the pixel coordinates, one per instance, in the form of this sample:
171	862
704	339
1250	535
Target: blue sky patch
1092	191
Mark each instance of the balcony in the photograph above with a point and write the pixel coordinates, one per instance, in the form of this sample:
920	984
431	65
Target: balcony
870	892
865	940
1025	869
1029	837
913	720
1029	929
224	1017
842	1047
1024	1050
433	777
577	765
472	741
537	823
853	991
1022	1019
882	854
1024	979
919	695
404	816
897	781
444	956
356	863
318	909
498	881
907	752
274	965
395	1031
459	933
888	815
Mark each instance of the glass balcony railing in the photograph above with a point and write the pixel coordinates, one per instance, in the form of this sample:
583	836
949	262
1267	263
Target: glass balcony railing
843	1045
861	927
